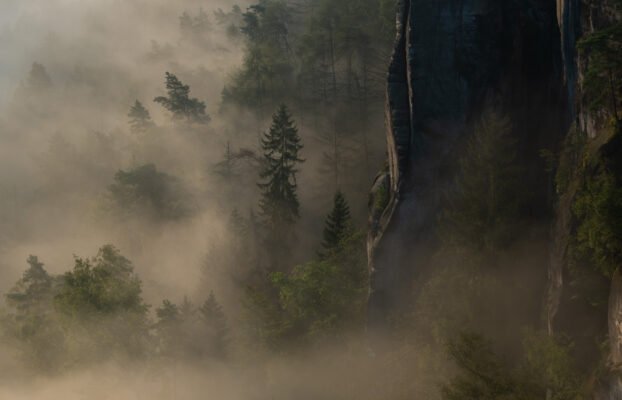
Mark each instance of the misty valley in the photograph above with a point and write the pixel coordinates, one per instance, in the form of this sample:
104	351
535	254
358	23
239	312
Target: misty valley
311	199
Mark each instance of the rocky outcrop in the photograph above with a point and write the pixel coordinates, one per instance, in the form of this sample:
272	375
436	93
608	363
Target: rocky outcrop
615	333
452	59
566	298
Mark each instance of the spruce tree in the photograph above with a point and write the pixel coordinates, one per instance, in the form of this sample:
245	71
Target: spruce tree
180	103
279	204
216	324
337	225
167	313
140	119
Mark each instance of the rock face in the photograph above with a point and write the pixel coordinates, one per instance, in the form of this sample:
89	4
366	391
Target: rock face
453	59
565	314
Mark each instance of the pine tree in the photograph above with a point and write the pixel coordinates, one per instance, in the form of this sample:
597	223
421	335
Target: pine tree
337	225
30	320
267	74
140	119
180	103
216	324
167	313
279	202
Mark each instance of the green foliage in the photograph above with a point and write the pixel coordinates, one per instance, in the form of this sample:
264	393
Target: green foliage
101	310
337	225
598	209
167	329
103	285
33	290
215	321
194	27
318	301
191	333
180	104
140	119
178	331
548	366
232	20
320	54
483	376
31	323
484	211
267	71
545	371
146	191
570	159
279	201
460	274
603	78
341	49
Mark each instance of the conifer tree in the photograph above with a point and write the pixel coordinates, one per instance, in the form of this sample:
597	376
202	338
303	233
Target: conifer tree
216	324
180	103
167	313
484	211
337	225
30	320
140	119
34	286
279	202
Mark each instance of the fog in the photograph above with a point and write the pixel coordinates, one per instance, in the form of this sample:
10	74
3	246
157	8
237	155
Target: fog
69	74
178	200
62	145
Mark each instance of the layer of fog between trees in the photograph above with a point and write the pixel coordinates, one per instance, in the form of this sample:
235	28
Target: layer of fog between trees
63	144
177	196
71	76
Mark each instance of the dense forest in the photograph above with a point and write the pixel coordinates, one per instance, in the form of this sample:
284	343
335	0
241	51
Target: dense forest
213	198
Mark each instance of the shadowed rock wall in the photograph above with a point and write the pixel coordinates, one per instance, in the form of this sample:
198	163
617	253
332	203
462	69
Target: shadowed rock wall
452	59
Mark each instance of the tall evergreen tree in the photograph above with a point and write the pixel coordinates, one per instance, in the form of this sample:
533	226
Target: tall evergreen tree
140	119
30	321
216	324
337	225
166	328
180	103
267	74
279	202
